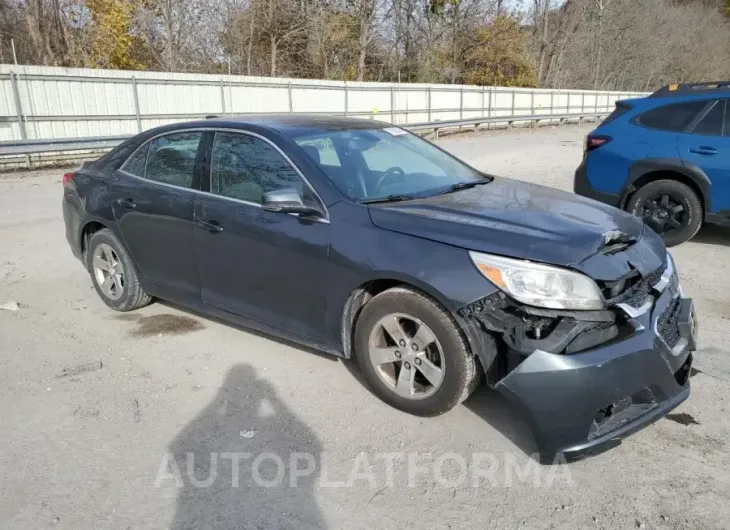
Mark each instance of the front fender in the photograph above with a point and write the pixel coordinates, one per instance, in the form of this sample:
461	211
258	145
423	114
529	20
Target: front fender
361	253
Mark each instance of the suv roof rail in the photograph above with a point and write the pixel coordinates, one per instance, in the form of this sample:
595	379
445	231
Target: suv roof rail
686	89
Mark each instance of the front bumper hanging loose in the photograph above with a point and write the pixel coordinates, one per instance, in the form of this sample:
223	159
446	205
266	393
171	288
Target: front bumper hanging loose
584	403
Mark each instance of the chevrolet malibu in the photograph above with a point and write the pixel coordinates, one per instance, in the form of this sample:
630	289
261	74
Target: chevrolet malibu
363	240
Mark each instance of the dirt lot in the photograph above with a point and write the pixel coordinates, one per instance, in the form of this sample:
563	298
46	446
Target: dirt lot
102	448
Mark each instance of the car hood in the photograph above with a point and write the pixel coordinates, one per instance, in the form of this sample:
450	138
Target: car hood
514	218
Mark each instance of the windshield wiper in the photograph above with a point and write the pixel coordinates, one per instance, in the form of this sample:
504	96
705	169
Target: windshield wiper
462	186
389	198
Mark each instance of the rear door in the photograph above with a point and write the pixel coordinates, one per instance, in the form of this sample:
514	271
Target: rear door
707	146
155	196
661	127
267	266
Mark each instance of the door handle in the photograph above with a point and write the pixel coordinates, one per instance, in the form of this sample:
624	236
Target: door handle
210	226
127	204
703	150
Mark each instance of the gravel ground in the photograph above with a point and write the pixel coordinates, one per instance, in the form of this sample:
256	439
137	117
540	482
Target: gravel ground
123	443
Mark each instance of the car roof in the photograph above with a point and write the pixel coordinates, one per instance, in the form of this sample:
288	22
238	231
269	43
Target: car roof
707	88
296	124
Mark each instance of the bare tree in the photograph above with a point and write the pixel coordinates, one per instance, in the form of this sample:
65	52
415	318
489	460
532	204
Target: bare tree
601	44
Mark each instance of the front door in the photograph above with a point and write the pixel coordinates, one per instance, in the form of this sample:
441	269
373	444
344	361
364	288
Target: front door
267	266
154	199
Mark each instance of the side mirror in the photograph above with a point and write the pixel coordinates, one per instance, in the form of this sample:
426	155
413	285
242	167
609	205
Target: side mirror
287	201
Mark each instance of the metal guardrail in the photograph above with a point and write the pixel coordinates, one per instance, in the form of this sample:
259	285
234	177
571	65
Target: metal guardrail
29	147
58	145
509	120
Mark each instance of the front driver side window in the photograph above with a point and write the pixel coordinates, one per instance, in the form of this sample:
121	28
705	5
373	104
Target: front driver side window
245	167
171	158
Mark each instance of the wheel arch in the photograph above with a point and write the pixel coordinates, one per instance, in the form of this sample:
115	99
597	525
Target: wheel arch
87	230
646	171
367	290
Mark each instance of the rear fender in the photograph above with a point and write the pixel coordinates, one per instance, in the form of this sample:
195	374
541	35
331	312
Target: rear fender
692	174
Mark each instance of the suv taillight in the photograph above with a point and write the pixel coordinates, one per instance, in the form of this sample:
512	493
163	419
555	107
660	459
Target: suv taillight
594	141
67	178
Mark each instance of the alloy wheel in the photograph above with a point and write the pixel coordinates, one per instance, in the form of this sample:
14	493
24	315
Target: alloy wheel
108	271
406	356
664	213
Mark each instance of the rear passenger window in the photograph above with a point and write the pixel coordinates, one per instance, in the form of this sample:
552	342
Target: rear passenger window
726	130
675	117
136	163
171	158
711	124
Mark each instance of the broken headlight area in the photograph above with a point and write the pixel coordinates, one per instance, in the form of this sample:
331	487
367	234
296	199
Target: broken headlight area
523	329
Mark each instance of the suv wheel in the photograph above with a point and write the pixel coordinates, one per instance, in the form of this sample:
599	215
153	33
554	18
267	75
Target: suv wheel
670	208
113	273
413	354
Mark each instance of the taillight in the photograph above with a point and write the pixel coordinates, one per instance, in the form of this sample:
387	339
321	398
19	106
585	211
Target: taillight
594	141
67	178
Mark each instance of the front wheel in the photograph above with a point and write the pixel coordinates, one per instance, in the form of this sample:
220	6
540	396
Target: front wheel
413	354
670	208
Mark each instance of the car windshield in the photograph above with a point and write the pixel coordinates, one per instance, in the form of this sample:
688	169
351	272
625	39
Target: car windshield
374	164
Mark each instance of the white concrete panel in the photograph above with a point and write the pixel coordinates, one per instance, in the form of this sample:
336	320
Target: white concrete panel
63	103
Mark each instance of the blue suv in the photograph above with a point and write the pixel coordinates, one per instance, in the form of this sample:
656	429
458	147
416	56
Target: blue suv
664	158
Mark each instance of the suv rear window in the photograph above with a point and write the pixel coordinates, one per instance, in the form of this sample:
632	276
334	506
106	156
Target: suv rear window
676	117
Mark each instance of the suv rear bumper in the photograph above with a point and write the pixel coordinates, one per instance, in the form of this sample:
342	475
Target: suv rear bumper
581	186
586	403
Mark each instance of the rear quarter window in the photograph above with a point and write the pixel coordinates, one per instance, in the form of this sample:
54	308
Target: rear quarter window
136	163
675	117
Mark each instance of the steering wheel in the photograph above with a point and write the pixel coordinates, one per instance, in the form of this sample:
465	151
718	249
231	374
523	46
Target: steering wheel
393	171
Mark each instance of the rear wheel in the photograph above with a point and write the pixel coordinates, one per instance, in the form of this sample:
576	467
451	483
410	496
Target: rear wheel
413	354
672	209
113	273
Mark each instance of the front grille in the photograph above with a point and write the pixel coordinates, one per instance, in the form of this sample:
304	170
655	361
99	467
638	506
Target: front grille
637	293
654	277
623	411
668	323
638	289
637	296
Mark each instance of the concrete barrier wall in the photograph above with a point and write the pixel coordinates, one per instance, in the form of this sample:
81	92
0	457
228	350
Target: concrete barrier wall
38	102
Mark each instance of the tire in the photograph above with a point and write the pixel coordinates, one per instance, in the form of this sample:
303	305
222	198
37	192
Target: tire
679	194
461	372
105	245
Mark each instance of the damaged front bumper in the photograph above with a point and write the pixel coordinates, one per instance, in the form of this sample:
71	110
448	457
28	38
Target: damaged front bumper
604	375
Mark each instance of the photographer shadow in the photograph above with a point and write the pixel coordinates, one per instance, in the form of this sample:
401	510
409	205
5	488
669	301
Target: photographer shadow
234	460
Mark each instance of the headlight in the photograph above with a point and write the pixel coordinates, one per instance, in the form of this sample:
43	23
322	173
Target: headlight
539	285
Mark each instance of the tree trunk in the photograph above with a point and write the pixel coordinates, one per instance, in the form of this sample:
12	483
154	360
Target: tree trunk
543	43
169	29
363	43
272	40
249	45
601	5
